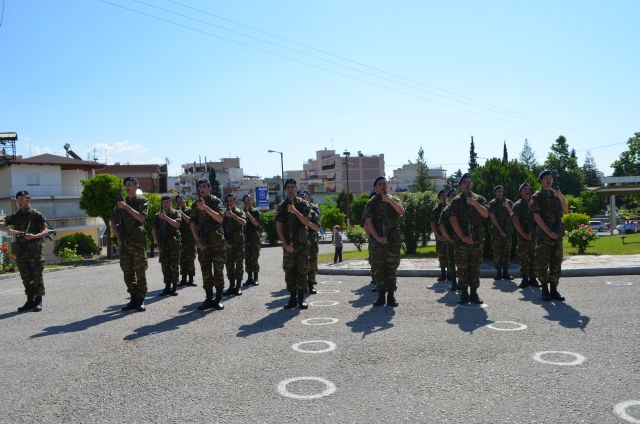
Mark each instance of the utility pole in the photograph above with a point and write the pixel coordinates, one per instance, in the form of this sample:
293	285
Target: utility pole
346	162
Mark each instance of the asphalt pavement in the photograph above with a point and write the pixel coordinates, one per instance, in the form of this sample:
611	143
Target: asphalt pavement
514	360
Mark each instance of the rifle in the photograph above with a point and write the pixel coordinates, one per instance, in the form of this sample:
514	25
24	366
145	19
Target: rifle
290	220
120	225
202	214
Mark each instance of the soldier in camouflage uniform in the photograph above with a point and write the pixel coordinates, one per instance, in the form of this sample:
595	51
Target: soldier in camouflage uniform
314	247
233	224
548	207
166	235
500	214
382	215
28	230
447	232
466	212
441	247
293	219
525	230
369	238
188	251
128	222
206	227
252	241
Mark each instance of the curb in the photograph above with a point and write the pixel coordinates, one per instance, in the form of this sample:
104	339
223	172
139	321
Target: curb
56	269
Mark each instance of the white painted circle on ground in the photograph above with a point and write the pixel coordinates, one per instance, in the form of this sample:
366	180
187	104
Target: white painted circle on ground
511	326
472	306
298	346
320	321
324	303
579	359
329	282
330	388
323	291
621	410
619	283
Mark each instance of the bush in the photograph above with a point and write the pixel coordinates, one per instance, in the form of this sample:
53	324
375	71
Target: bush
81	244
268	224
331	216
416	221
357	236
68	255
581	237
572	221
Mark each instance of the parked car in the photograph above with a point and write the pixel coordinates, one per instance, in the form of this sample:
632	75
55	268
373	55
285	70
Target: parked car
596	226
630	227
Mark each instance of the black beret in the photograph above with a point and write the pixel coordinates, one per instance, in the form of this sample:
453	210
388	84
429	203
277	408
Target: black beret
498	187
131	180
178	196
22	193
544	174
166	197
441	192
463	177
452	191
204	181
290	181
378	179
523	185
245	196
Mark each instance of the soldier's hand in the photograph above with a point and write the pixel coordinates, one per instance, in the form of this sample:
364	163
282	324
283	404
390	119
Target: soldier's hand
162	215
502	234
227	246
292	209
201	205
228	213
29	236
553	235
467	240
121	204
287	248
528	237
471	201
200	245
383	241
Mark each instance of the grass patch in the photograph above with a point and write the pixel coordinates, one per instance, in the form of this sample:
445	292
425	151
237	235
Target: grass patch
608	245
422	252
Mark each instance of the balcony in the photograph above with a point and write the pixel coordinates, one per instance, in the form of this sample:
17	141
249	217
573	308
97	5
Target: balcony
48	190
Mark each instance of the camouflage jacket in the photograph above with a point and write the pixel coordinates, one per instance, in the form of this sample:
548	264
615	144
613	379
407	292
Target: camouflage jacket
250	228
444	220
26	220
206	225
315	218
522	212
233	230
548	206
436	212
166	234
385	219
129	227
497	208
185	228
294	230
469	219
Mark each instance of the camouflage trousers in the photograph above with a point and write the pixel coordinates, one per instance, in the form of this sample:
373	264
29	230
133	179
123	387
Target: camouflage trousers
384	265
501	249
313	261
252	252
133	262
212	260
188	258
235	261
441	250
525	251
373	278
31	267
468	261
451	257
169	259
296	267
548	259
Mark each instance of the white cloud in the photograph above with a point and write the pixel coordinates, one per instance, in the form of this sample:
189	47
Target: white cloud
120	148
37	150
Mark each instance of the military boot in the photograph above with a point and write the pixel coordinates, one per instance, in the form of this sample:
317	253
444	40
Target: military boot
391	299
28	305
249	281
454	284
131	305
312	290
190	283
525	282
293	301
381	298
174	289
208	302
505	273
237	290
140	304
554	294
545	292
166	291
533	282
474	298
255	279
231	290
183	280
498	274
217	303
464	295
37	304
301	303
443	274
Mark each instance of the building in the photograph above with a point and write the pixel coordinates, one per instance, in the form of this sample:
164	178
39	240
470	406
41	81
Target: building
404	178
55	185
152	178
228	173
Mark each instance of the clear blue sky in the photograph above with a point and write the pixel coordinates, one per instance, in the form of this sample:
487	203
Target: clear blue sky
96	75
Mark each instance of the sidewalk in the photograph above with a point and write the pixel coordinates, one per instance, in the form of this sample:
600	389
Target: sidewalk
572	266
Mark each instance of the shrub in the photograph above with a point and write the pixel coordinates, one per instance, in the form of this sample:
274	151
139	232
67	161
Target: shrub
581	237
81	244
68	255
416	221
8	258
357	236
572	221
268	224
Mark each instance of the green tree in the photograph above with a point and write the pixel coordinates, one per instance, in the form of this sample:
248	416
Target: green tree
154	200
83	244
215	184
357	209
357	236
564	165
628	163
421	182
509	175
473	156
528	157
590	172
342	201
331	216
505	155
98	199
592	203
268	225
452	180
416	220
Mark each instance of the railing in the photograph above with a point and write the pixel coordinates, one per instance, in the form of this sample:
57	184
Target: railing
47	190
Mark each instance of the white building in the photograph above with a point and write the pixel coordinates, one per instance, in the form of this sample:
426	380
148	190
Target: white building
404	178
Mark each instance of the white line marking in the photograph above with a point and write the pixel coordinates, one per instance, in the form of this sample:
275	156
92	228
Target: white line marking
472	306
323	291
324	303
330	388
579	358
518	326
621	410
619	283
331	282
331	346
322	321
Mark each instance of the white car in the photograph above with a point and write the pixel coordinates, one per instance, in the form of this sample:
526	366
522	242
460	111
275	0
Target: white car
596	226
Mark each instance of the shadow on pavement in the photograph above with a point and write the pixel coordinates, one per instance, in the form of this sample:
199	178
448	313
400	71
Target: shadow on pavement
469	318
564	314
8	314
188	314
111	313
439	286
505	286
449	298
271	322
281	299
365	297
373	320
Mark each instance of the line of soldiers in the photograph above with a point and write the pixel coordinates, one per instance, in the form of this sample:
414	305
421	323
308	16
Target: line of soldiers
457	223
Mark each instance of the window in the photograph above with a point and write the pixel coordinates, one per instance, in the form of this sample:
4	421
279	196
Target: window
33	179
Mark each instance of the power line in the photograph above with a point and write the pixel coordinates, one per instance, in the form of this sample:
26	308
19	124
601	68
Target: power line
304	62
2	13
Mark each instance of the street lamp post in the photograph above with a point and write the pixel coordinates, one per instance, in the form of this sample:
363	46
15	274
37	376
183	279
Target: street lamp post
281	169
346	162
